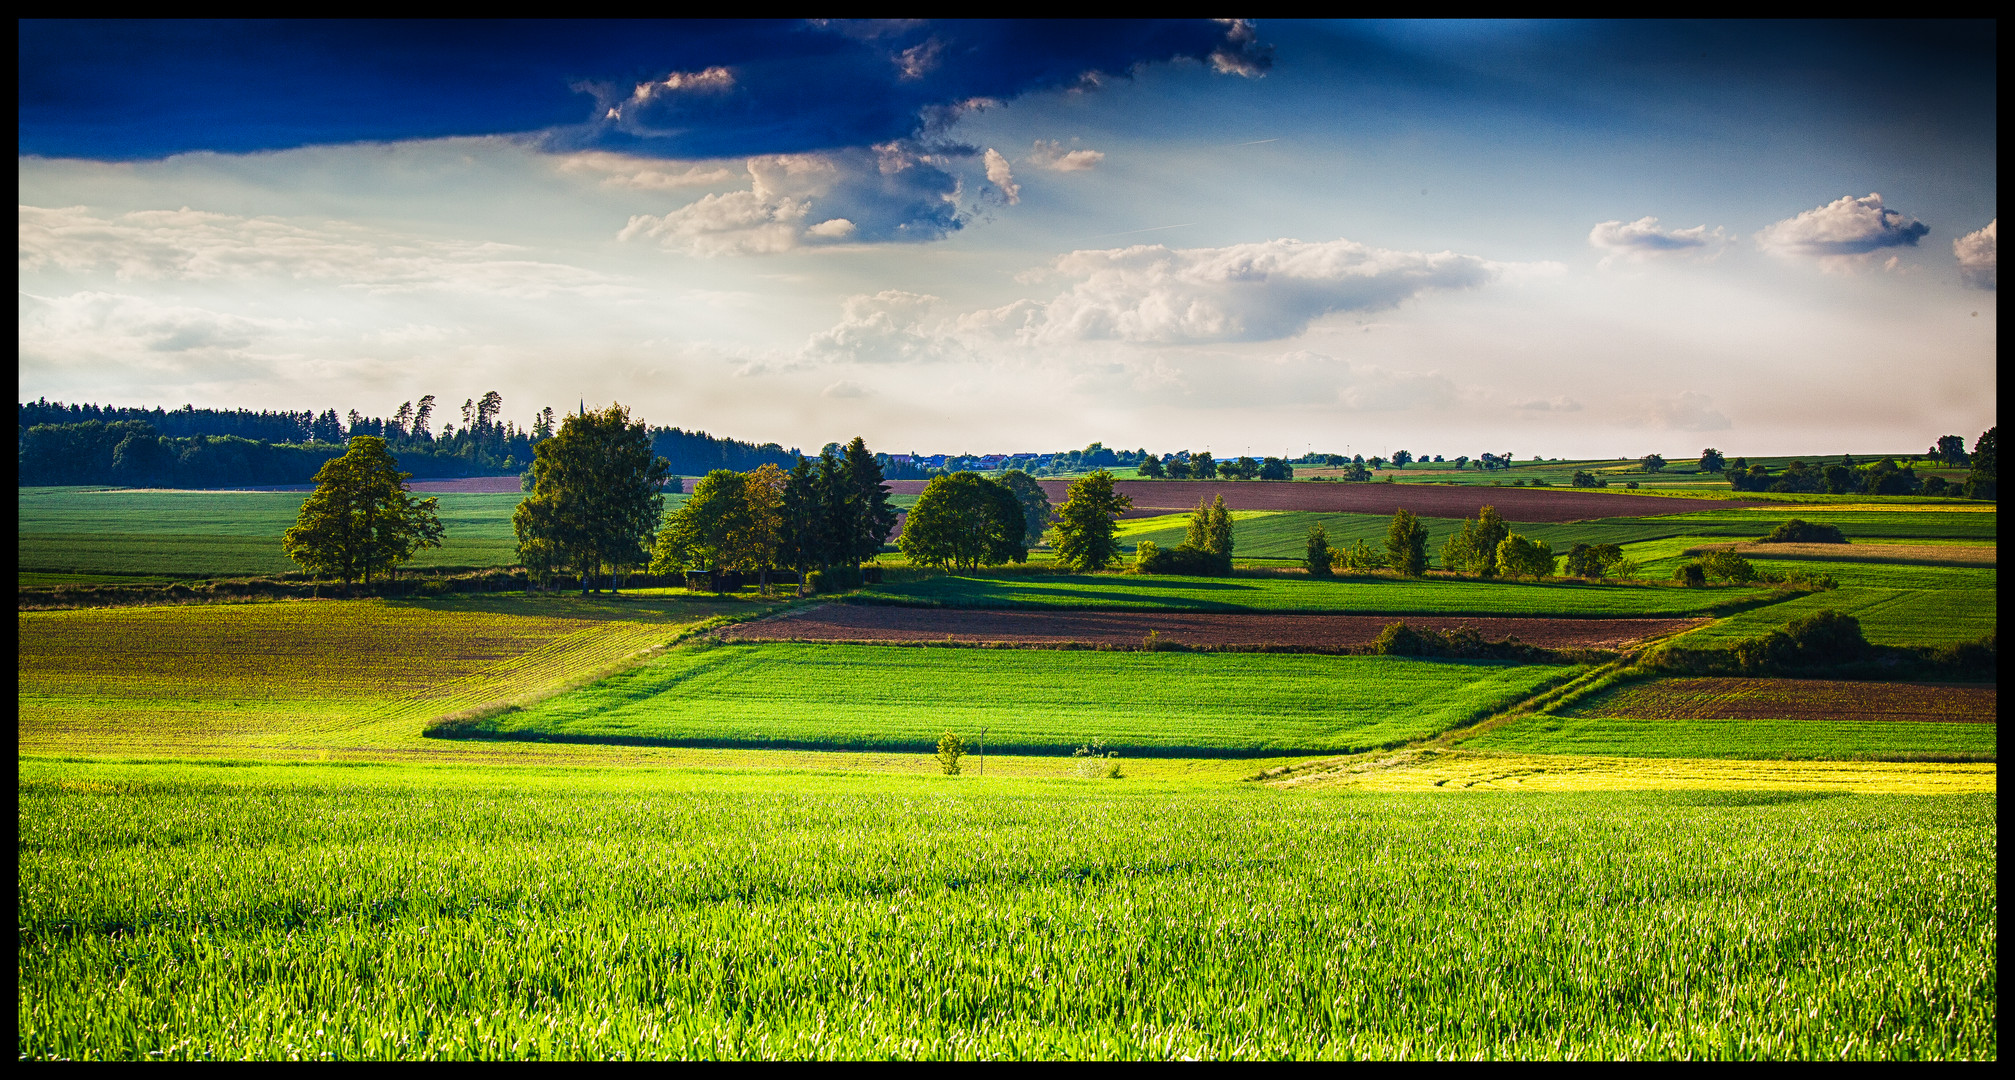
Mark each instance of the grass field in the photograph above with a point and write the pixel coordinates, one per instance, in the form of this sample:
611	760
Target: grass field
308	675
1828	740
1032	701
198	912
1263	592
1768	782
80	534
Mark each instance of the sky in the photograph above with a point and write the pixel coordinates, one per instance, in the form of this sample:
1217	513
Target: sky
1554	239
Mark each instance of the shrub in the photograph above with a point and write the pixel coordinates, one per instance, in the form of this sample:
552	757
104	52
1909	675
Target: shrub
1583	479
1803	532
1827	637
835	579
1728	566
1095	762
950	749
1182	559
1359	558
1594	560
1318	553
1632	485
1691	574
1520	557
1156	641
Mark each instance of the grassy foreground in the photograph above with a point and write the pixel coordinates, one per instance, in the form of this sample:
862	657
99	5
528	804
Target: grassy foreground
308	912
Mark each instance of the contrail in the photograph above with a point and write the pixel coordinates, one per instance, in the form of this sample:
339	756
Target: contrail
1256	142
1130	232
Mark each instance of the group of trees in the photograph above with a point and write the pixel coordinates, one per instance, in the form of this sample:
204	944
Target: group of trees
597	497
1184	465
964	521
828	514
1205	549
1884	476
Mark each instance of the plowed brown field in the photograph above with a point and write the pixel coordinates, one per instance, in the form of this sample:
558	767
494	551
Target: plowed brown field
1427	500
1800	699
1314	633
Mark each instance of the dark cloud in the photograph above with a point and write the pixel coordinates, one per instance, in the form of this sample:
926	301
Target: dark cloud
132	90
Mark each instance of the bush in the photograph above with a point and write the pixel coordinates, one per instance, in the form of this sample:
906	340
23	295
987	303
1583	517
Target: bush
1317	557
1632	485
1520	557
1595	561
950	749
835	579
1182	559
1095	762
1583	479
1691	574
1803	532
1728	566
1359	558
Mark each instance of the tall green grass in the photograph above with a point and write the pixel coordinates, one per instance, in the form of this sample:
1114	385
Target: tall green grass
1829	740
187	912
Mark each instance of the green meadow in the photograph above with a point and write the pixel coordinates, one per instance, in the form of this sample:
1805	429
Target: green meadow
1040	701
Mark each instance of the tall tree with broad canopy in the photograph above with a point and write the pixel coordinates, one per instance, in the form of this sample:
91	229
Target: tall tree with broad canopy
598	495
1035	507
1473	549
360	518
1084	537
872	517
963	522
716	528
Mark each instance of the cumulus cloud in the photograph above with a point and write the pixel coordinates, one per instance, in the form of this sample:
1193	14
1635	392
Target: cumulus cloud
1050	154
883	193
887	326
1975	252
1241	53
1246	292
845	388
1643	239
196	245
1843	233
1002	176
1154	295
1690	411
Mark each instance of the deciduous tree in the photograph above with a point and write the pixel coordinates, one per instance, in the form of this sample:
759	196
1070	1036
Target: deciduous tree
597	497
1083	537
964	521
360	518
1406	544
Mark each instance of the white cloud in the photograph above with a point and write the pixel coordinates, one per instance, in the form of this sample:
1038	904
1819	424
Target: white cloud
195	245
886	193
1002	176
887	326
1690	411
131	333
1975	252
1050	154
1246	292
1643	239
1843	233
1241	53
642	175
1557	404
1375	389
846	388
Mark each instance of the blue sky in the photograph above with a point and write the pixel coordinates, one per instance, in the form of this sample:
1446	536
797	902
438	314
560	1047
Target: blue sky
1570	239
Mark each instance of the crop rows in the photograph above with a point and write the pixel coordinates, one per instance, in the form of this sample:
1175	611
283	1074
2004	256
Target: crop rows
190	913
1834	740
869	697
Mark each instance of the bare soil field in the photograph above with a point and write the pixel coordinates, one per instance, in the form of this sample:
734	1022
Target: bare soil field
1312	633
472	485
1932	554
1799	699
